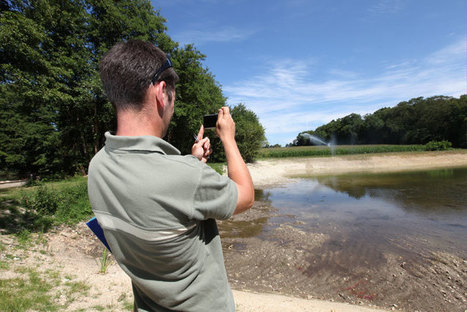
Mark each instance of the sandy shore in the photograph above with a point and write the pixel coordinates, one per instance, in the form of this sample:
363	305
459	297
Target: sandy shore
274	171
73	255
255	302
75	252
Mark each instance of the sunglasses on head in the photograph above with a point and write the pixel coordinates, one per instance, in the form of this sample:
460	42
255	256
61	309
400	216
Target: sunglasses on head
164	66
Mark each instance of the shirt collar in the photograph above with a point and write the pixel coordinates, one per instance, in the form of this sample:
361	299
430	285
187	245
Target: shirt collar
139	143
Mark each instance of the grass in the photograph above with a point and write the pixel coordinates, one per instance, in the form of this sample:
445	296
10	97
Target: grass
219	167
40	206
37	208
38	291
104	261
325	151
35	288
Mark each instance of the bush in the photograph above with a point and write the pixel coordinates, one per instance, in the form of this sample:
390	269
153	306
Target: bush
74	205
43	201
438	145
50	204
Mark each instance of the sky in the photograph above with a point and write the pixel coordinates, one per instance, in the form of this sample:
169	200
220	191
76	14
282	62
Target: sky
299	64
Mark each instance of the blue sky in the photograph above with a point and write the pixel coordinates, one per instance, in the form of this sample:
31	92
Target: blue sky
299	64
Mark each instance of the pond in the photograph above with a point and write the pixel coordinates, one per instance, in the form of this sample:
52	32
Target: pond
380	211
383	239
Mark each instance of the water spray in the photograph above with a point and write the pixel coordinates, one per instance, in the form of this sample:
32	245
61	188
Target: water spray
319	141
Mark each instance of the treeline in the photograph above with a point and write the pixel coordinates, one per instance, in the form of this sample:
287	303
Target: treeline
417	121
53	111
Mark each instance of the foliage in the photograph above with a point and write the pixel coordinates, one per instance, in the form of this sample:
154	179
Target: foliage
197	94
45	205
249	132
218	167
104	261
438	145
324	151
417	121
53	111
64	203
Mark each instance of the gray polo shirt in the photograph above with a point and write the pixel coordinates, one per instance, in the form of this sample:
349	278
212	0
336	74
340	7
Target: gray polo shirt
157	209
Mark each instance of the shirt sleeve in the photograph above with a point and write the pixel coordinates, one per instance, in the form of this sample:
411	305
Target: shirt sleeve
215	197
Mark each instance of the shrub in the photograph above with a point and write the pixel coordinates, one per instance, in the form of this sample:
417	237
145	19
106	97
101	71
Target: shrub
43	201
438	145
48	204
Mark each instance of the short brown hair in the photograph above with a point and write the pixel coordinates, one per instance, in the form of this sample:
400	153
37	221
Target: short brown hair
126	72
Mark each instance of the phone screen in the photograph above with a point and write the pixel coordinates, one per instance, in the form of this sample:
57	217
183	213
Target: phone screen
209	121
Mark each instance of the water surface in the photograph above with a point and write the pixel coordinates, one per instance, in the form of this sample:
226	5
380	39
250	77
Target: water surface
406	213
384	239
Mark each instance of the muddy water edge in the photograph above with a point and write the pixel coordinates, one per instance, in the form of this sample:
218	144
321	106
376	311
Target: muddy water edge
276	248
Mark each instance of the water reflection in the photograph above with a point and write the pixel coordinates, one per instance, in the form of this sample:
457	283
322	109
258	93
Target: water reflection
372	237
437	191
426	210
246	224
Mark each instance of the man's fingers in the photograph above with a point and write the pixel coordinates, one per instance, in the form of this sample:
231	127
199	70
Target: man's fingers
201	133
206	143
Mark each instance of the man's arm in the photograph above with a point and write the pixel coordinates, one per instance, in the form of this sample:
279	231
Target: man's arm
236	167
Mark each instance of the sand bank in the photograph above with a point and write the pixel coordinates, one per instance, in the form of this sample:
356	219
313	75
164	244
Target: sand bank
275	171
254	302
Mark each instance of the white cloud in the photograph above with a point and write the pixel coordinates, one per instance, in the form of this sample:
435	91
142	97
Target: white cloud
202	36
287	100
386	6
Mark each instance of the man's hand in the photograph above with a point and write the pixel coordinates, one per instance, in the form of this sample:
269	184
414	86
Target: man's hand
202	147
225	127
236	168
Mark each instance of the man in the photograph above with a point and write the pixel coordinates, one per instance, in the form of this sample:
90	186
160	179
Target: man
157	208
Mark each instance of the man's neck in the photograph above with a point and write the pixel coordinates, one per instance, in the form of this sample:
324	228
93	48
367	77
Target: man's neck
130	123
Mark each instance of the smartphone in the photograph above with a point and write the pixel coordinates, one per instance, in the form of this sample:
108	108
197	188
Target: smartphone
209	121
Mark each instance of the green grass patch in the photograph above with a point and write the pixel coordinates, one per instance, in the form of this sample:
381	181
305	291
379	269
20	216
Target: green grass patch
325	151
39	207
219	167
38	291
24	294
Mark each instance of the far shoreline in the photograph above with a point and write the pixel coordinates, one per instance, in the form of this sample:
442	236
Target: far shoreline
276	171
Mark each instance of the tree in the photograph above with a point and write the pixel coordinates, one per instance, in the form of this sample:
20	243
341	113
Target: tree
53	110
417	121
344	130
249	132
31	88
197	94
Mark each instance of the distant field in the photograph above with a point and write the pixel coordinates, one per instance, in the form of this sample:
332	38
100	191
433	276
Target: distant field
323	151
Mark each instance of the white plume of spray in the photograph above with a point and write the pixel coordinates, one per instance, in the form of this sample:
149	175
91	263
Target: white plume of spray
319	141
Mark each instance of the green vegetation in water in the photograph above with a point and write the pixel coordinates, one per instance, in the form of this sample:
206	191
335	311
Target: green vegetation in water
325	151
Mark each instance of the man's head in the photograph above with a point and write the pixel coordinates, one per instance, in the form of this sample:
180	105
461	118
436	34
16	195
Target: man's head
128	69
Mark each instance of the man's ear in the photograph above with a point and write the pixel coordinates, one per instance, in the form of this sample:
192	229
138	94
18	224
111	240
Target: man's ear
161	88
